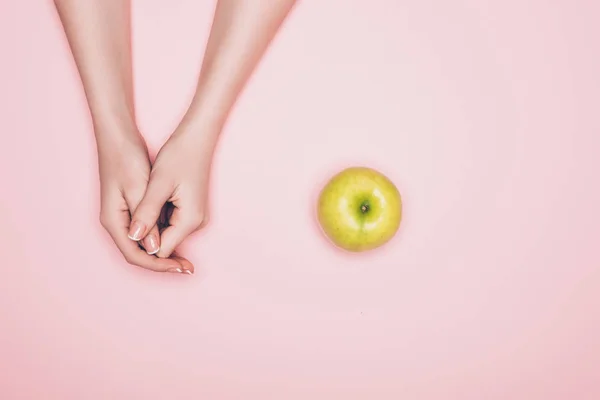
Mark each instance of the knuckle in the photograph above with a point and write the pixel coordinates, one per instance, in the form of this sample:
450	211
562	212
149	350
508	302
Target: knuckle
196	219
130	260
133	197
205	221
104	220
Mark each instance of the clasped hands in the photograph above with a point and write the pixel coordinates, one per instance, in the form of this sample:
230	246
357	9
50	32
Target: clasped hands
150	209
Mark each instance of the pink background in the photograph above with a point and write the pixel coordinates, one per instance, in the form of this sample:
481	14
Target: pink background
484	113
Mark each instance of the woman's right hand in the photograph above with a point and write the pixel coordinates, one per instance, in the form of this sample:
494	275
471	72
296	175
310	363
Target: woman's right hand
124	168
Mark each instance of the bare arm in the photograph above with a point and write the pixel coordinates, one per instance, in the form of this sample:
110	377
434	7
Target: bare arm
98	33
241	32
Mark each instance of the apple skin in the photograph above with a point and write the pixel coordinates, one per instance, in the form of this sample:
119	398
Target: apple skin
359	209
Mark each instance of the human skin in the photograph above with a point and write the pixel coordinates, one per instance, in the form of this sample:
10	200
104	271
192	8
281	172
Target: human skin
134	193
98	33
241	32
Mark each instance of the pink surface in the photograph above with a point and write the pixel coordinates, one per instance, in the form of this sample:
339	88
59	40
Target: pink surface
484	113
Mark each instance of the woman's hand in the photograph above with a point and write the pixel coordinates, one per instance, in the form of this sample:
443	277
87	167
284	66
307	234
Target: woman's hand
240	34
99	36
124	171
179	180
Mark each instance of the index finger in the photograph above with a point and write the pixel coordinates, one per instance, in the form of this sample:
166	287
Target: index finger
118	228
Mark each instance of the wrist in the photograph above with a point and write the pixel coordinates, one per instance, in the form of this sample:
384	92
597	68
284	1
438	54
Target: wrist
211	104
197	138
113	132
113	110
200	124
204	119
116	122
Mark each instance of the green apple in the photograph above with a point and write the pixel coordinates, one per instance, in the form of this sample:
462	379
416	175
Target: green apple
359	209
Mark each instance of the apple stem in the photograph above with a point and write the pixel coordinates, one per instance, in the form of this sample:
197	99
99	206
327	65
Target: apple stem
364	208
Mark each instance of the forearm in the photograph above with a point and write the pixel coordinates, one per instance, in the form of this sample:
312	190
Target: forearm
241	32
98	32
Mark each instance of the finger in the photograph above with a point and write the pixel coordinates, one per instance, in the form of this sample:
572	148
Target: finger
181	227
117	226
134	255
151	242
148	210
186	265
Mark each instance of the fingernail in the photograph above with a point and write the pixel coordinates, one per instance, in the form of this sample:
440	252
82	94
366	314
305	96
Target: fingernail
187	271
152	244
174	270
136	230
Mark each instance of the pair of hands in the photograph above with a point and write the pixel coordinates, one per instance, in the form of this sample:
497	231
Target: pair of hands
149	210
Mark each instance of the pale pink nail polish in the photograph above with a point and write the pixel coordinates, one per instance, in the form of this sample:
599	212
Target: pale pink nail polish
152	244
135	230
174	270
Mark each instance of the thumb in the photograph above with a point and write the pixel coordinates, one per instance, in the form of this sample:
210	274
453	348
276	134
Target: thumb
175	234
148	211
